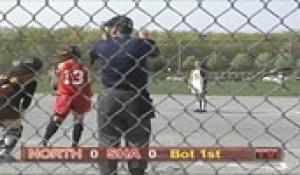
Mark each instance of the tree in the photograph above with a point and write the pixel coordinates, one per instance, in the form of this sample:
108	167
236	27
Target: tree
284	61
264	60
241	62
297	63
217	62
155	65
188	63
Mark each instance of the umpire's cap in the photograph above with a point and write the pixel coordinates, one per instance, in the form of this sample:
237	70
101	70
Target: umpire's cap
71	50
123	23
33	64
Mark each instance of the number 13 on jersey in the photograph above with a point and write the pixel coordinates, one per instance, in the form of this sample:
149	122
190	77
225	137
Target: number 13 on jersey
74	77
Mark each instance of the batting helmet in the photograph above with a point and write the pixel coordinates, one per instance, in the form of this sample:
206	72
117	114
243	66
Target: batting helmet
72	50
33	64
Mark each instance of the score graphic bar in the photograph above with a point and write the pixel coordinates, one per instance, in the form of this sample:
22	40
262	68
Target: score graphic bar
151	154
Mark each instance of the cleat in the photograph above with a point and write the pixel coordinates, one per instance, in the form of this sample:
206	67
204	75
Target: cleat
197	110
200	110
74	145
7	157
44	143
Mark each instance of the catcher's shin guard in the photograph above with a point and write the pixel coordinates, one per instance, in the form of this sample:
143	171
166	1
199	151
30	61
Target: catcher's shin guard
10	140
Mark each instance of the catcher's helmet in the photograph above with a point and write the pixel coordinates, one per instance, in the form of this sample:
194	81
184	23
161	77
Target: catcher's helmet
72	51
33	64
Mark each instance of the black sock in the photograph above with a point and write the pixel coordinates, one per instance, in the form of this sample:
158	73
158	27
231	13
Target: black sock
77	131
51	130
200	104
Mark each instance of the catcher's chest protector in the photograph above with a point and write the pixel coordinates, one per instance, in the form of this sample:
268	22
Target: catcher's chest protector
9	94
6	108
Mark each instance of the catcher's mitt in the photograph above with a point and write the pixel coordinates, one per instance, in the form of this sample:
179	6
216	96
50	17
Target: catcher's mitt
11	85
10	89
6	85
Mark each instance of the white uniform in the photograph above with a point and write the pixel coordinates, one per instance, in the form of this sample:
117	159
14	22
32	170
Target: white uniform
198	88
197	82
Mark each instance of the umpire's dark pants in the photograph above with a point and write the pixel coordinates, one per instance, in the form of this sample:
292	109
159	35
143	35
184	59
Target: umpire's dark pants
121	113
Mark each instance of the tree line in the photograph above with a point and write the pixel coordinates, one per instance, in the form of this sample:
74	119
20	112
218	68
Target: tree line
219	51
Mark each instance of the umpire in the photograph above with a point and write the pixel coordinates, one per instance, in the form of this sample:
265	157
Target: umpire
124	106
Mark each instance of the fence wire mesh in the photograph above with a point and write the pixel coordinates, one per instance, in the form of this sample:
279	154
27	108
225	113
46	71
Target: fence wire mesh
250	50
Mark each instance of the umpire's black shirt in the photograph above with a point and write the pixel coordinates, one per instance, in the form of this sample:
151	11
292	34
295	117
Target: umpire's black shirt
123	61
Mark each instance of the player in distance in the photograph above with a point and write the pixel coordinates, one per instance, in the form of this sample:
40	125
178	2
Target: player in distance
73	94
17	88
198	85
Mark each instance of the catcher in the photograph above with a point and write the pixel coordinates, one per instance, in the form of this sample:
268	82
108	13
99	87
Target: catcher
16	90
73	94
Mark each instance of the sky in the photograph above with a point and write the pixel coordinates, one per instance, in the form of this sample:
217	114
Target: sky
198	15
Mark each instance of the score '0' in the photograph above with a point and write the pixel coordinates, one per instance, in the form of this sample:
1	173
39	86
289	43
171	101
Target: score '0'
152	153
94	154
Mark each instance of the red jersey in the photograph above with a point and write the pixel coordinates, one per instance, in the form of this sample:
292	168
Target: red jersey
73	79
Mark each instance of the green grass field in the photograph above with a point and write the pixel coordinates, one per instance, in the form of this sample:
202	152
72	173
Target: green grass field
231	88
214	88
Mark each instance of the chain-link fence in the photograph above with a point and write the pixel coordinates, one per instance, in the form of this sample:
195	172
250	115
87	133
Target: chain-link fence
249	51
